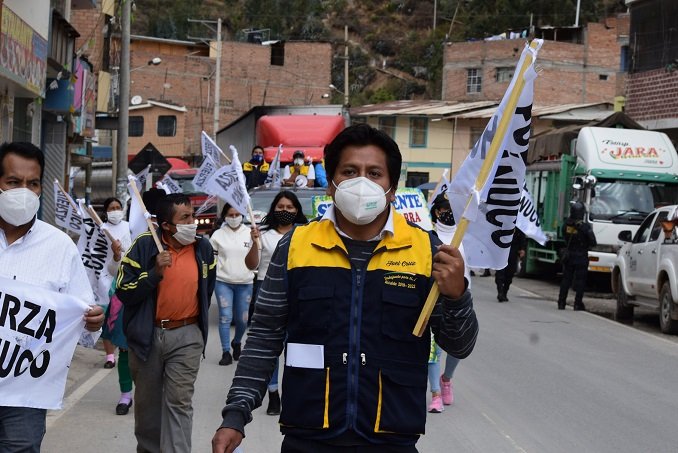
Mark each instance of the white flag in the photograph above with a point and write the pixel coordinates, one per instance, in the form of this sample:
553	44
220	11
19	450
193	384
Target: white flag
528	219
137	217
169	185
273	177
442	186
210	202
95	252
209	148
493	208
65	214
142	177
226	184
205	172
38	344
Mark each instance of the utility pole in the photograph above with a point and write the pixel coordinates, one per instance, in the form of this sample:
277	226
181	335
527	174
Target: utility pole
346	97
217	81
123	102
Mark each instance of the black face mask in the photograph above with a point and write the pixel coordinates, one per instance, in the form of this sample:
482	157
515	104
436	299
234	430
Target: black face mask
446	218
284	218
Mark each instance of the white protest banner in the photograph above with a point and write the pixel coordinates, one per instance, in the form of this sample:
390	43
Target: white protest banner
142	177
66	213
169	185
205	172
95	251
235	161
441	187
137	216
224	184
38	333
209	148
528	219
210	202
273	177
492	207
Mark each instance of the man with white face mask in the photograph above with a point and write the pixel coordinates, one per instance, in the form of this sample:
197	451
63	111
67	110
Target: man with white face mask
299	174
166	297
342	296
35	253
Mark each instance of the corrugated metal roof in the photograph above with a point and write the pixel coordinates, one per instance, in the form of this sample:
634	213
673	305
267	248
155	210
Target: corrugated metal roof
425	108
544	111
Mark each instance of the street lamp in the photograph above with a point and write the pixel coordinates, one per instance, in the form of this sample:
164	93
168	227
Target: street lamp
152	62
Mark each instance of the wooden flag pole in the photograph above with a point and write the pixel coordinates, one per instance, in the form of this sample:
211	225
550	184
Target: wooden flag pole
151	228
483	175
93	214
68	197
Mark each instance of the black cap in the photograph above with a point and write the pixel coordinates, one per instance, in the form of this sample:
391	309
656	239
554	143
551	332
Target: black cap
298	153
441	201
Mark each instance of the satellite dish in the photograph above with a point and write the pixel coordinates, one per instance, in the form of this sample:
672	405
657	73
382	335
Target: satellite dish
136	100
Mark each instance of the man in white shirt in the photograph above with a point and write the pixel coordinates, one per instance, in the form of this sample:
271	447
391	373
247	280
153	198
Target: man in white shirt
299	174
36	253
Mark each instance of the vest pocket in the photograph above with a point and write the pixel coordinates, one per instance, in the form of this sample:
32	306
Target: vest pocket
399	312
401	405
305	398
314	307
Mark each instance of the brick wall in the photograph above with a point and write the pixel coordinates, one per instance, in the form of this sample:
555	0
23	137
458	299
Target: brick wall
89	23
570	73
652	94
247	79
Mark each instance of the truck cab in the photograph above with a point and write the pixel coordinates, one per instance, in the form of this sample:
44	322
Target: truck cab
620	175
645	271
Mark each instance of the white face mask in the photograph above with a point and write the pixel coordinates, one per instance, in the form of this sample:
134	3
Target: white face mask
185	234
360	200
299	161
18	206
233	222
115	217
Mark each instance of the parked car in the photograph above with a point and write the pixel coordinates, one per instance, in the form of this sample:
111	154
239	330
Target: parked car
261	199
645	272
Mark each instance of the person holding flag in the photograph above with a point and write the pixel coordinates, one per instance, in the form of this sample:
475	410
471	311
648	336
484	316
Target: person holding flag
37	256
343	293
166	295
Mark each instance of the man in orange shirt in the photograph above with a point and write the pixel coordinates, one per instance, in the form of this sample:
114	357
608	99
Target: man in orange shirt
166	296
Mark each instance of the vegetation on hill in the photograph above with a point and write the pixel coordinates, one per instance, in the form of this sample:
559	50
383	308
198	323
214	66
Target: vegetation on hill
395	52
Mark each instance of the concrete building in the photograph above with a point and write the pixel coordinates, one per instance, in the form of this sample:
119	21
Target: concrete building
652	87
159	123
438	135
578	64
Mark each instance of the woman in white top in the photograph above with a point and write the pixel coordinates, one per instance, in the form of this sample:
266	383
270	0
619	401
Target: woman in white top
231	243
284	213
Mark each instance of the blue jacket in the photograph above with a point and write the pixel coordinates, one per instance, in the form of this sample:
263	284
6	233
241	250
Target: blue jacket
137	284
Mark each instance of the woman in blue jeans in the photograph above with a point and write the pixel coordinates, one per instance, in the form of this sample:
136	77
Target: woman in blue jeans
231	243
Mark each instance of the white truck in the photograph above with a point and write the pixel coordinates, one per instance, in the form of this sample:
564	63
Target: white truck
621	175
645	271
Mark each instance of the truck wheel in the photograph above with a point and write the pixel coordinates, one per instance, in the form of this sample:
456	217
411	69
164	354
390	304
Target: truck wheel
666	324
624	311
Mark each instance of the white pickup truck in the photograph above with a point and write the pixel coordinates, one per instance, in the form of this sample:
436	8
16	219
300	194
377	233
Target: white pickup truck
645	272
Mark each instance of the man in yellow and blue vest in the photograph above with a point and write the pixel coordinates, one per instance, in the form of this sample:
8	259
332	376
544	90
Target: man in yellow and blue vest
342	296
256	169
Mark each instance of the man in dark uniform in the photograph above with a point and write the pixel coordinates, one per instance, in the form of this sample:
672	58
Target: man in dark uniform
256	169
579	238
504	277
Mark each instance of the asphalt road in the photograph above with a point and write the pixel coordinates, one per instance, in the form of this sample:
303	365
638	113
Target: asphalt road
539	380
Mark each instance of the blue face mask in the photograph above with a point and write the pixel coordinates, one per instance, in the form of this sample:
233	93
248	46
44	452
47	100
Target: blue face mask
257	159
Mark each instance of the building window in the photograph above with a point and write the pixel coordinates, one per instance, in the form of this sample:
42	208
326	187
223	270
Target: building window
476	133
278	54
167	126
602	76
474	81
387	124
418	132
136	126
416	178
624	59
503	75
